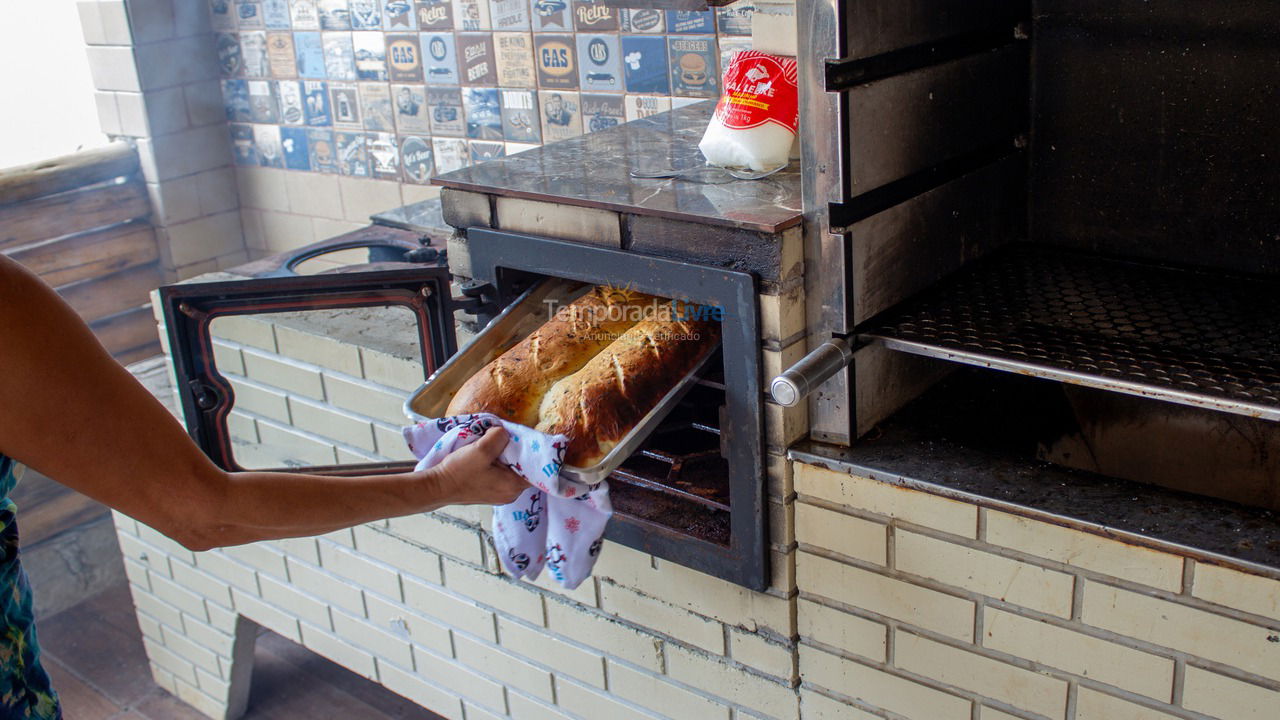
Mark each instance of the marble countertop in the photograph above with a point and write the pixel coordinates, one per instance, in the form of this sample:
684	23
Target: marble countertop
592	171
423	217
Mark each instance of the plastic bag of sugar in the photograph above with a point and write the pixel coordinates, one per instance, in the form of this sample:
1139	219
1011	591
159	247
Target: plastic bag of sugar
756	120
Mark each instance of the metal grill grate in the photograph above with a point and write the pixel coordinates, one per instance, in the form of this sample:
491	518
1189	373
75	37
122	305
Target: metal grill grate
1182	336
679	478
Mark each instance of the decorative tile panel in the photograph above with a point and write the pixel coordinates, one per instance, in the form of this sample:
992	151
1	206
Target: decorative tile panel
408	89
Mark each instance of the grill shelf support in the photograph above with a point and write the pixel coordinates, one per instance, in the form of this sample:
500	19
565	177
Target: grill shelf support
1183	336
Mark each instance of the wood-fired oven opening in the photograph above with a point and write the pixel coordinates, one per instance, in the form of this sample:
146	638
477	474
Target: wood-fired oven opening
679	478
1028	422
692	489
1148	373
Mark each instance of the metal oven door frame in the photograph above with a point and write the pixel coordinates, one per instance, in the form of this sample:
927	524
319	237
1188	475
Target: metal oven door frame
207	397
501	258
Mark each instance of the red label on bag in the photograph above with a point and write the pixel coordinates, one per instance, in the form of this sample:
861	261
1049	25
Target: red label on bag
759	88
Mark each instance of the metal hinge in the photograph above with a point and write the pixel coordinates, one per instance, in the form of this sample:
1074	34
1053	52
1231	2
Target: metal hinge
478	298
425	255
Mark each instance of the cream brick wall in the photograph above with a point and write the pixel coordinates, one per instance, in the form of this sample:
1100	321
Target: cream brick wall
304	398
282	210
907	607
418	604
929	608
888	602
155	72
465	635
587	225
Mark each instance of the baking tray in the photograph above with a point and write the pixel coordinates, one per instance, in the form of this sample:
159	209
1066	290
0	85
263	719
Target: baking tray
526	314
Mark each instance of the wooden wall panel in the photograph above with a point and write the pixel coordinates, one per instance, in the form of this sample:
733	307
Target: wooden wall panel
68	260
129	332
68	172
100	297
71	212
81	222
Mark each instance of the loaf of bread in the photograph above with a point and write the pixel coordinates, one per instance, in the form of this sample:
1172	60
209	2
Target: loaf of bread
513	384
593	371
599	404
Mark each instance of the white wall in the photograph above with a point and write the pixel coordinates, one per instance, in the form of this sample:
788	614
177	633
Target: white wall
46	93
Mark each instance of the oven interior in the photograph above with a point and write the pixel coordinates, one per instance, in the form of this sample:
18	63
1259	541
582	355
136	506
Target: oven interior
1081	195
693	492
679	479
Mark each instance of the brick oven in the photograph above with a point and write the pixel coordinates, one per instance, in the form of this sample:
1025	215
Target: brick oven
935	542
419	603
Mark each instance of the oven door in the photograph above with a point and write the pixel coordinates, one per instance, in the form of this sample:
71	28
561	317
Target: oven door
307	372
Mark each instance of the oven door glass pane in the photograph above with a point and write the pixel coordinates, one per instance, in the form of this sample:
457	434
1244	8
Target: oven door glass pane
307	372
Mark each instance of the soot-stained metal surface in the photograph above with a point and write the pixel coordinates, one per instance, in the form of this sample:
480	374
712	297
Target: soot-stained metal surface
975	438
1154	131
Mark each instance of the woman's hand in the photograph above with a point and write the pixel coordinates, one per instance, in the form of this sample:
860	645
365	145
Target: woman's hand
473	475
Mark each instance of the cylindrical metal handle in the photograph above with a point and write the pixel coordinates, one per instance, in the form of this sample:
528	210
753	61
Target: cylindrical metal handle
829	358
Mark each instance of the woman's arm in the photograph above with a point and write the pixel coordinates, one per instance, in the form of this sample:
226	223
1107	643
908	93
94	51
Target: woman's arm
72	412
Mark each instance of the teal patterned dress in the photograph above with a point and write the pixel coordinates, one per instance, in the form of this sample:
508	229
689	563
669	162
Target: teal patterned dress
25	690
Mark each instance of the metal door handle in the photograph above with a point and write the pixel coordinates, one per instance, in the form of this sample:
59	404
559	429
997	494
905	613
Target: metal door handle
793	385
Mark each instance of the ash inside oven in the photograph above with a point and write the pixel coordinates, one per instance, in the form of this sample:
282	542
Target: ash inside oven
1002	439
1034	424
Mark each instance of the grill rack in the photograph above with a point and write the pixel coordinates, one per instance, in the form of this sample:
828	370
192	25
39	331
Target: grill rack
681	461
1183	336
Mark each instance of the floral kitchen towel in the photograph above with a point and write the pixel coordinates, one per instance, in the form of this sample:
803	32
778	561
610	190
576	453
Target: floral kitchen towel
557	522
